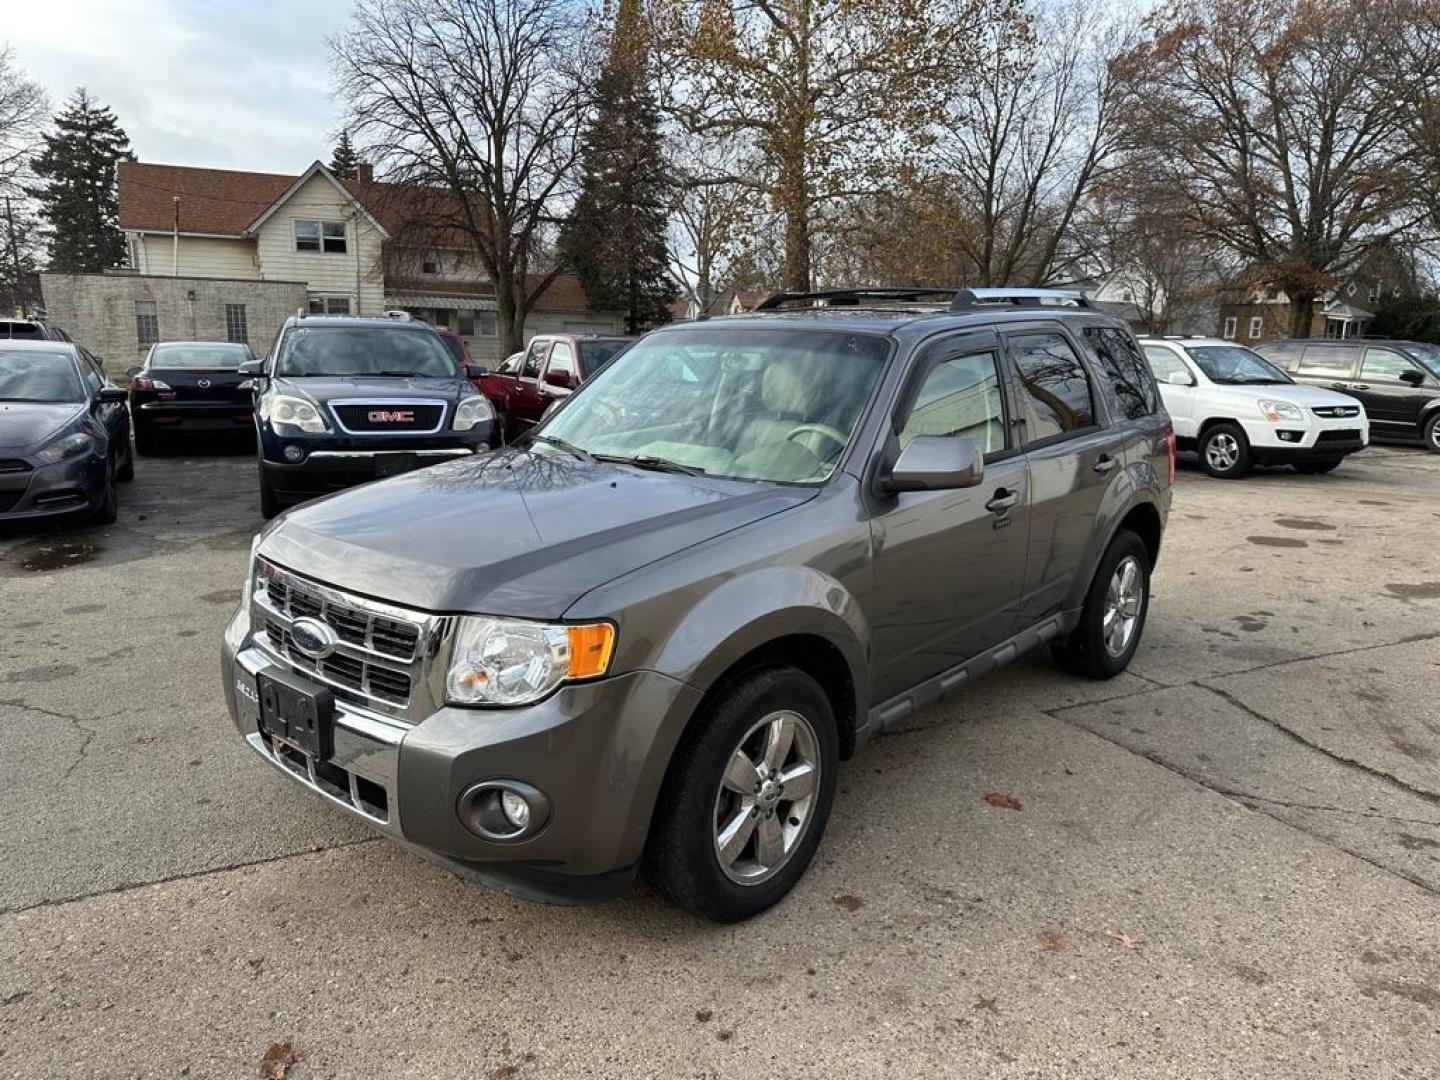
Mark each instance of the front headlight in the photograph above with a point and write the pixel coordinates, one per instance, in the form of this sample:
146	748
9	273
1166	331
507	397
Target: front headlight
68	447
292	411
472	411
512	662
1275	411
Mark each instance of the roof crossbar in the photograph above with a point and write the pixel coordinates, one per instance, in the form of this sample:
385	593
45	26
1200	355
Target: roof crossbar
969	299
852	297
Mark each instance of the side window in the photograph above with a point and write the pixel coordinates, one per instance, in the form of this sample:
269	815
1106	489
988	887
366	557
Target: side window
1164	363
1124	372
511	366
1285	357
960	396
562	358
1057	391
1328	361
1385	365
91	371
534	356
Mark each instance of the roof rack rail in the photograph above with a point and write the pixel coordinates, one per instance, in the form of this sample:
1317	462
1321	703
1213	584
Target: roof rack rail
852	297
969	299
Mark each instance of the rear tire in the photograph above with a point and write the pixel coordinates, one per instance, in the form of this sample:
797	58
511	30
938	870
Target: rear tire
1430	432
727	839
1317	468
1225	452
1113	619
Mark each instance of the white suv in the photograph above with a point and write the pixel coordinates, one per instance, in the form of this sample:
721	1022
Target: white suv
1237	409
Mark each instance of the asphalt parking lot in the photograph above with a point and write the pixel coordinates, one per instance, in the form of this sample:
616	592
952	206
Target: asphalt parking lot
1225	862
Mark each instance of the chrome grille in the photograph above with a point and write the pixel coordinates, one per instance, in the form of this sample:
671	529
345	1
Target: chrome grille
1336	410
379	661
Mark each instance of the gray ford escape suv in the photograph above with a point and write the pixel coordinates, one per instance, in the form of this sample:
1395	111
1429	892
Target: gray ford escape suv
646	635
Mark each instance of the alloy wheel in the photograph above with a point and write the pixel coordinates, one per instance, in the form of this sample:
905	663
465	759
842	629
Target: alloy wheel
766	798
1222	451
1123	600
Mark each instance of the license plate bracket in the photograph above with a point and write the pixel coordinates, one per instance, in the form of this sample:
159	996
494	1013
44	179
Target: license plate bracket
395	463
300	713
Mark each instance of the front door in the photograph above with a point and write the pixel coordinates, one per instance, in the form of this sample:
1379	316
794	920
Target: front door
1392	387
526	399
949	565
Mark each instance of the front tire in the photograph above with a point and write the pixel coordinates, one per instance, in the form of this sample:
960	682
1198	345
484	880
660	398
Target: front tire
126	472
1103	643
1225	452
269	503
747	797
1430	432
109	508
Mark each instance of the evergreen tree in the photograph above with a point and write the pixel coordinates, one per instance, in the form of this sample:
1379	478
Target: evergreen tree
345	162
78	197
616	238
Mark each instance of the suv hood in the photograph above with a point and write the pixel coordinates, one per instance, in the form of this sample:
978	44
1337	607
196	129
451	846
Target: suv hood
25	423
322	388
1296	394
510	533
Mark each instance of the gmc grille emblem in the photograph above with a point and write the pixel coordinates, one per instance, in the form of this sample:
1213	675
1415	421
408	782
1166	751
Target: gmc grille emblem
392	416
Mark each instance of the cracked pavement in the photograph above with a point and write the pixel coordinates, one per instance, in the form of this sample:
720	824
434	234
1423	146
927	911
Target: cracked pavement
1226	862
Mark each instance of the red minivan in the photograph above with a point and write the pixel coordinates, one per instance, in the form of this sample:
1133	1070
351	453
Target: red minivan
549	369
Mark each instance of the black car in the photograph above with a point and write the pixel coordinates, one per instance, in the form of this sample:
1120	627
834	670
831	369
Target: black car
64	433
190	386
1398	382
339	401
30	330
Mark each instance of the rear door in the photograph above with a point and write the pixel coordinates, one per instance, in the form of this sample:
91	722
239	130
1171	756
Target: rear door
1392	403
1327	364
1072	458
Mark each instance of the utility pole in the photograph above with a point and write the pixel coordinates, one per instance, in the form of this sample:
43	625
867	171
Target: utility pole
15	260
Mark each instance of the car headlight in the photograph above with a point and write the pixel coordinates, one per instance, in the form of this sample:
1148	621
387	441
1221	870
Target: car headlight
472	411
292	411
1275	411
512	662
68	447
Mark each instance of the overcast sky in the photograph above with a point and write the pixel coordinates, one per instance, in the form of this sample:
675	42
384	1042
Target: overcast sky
240	84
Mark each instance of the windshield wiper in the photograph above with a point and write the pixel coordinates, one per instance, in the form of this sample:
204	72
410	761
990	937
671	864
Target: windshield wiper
656	464
404	375
570	448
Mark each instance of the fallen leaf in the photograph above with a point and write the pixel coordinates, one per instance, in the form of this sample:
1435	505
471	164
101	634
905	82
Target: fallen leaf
846	902
703	1015
505	1072
986	1003
106	1003
1124	940
725	1035
275	1065
1052	940
1004	802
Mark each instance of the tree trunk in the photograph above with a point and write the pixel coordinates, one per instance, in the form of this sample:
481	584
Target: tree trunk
1302	309
509	322
797	240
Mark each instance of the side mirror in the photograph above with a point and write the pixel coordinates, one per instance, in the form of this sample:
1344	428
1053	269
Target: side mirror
1411	377
251	367
111	395
475	371
935	463
133	370
1180	378
562	379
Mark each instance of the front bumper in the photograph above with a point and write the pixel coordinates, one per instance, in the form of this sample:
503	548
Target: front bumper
189	416
597	750
1314	439
334	462
39	491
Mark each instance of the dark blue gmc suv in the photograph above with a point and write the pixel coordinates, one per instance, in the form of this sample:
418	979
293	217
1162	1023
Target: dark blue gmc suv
340	401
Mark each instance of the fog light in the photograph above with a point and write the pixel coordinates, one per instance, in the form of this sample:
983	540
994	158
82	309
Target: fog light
1290	436
516	809
293	453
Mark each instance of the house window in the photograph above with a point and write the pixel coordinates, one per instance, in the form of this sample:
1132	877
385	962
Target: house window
329	305
325	236
1376	292
235	326
1229	328
488	326
467	324
147	323
1257	326
430	262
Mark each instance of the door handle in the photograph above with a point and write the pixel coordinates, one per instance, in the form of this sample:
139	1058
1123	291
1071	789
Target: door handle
1339	386
1105	464
1002	501
1359	386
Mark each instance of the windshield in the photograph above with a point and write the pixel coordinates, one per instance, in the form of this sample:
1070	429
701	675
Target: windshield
777	405
1234	364
1428	355
455	347
212	357
363	350
33	375
593	354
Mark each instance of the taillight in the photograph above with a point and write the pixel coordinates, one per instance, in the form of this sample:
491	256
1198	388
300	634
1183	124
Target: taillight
145	382
1170	450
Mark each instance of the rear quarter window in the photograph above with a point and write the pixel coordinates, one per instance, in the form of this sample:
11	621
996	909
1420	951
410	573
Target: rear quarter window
1329	361
1125	376
1285	357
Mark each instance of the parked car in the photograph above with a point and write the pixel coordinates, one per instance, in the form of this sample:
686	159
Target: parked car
647	633
30	330
527	384
456	345
1237	410
339	401
190	387
64	433
1398	382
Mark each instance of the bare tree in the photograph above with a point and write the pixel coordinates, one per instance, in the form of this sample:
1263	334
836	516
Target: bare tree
475	106
1410	70
717	221
1267	120
829	94
23	112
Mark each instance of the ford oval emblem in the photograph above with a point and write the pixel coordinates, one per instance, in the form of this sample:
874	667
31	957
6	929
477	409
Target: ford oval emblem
313	638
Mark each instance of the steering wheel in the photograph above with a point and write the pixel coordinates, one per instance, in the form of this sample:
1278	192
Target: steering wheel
835	436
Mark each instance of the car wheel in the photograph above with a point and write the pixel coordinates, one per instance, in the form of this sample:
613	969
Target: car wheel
747	797
109	508
126	472
1113	618
1317	468
269	504
1225	452
146	441
1430	433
